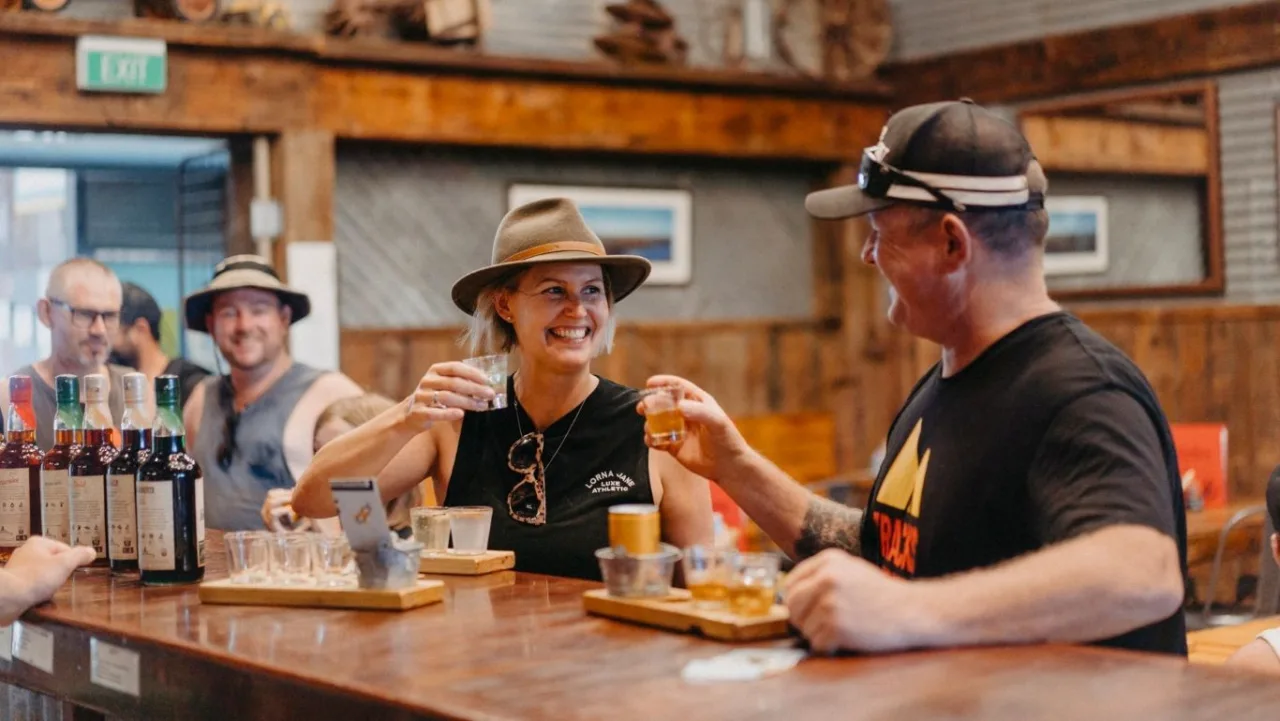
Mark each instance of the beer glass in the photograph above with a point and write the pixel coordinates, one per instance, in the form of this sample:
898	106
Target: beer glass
470	528
431	528
665	424
494	368
706	574
248	556
753	583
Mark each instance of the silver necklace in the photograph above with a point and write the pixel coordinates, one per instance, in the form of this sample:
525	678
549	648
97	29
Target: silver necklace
581	405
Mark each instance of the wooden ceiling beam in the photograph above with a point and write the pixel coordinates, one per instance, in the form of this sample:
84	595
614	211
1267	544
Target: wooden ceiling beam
1184	46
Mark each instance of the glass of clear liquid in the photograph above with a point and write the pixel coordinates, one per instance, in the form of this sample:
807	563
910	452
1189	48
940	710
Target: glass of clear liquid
431	528
470	528
494	368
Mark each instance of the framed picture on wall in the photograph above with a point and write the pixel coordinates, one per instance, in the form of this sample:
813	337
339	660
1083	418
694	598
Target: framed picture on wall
650	222
1077	239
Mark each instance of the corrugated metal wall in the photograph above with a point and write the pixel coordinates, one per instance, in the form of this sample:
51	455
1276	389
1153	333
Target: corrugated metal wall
924	28
409	222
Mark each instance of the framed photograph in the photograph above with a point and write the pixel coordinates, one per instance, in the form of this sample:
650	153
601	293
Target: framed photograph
1077	240
654	223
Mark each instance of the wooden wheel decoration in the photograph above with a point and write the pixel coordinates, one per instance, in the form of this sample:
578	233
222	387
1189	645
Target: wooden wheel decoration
192	11
855	35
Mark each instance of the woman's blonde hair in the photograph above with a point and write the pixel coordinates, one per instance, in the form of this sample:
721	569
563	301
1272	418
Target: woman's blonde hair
489	333
356	410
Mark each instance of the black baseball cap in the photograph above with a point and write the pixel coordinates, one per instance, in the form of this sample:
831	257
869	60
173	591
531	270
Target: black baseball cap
954	155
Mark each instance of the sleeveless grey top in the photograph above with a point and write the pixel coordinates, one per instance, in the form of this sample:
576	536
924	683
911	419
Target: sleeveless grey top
45	401
233	496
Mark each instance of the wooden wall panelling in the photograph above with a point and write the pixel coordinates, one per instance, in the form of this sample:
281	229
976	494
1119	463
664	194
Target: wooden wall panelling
354	102
240	196
302	179
210	91
223	80
1096	145
1195	44
751	367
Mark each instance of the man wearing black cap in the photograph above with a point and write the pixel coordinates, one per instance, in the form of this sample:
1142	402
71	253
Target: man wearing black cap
1030	490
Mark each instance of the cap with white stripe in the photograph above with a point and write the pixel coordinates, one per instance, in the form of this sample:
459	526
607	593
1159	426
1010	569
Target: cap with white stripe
975	158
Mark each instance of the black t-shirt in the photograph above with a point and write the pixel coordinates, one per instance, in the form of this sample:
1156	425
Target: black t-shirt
189	375
1049	434
591	463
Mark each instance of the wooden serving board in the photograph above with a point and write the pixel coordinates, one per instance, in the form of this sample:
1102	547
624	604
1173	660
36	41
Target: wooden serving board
224	591
478	565
676	612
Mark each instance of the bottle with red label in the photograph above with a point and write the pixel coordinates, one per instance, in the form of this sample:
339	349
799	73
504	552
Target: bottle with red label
20	459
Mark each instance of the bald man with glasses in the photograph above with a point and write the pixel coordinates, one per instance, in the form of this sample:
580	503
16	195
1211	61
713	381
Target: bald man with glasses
81	309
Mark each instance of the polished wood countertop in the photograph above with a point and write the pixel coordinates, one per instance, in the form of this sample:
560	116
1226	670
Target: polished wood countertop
514	645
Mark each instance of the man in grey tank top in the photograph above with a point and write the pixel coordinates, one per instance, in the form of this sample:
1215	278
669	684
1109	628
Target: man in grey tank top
252	429
81	309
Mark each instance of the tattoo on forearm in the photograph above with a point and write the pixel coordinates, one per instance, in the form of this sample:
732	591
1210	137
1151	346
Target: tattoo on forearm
828	524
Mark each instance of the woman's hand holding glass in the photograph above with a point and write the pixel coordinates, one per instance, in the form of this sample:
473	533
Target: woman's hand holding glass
446	392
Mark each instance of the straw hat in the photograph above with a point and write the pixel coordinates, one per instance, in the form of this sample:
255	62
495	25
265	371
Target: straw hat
243	271
551	230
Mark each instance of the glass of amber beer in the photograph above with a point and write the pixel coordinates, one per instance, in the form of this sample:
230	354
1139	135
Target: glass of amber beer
753	583
664	423
706	574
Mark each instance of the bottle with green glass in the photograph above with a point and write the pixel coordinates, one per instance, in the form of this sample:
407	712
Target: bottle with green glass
170	500
55	474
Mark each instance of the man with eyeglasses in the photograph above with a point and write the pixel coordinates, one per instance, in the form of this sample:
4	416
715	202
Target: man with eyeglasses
1030	489
81	309
252	430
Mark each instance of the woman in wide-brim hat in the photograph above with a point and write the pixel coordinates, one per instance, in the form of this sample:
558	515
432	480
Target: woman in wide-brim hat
568	446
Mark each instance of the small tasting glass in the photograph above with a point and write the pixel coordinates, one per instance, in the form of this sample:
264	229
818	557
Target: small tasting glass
494	368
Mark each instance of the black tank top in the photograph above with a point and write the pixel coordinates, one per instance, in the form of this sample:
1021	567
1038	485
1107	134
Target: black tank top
603	462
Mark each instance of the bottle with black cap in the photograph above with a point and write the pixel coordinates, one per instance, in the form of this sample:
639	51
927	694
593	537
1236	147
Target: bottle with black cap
122	510
170	499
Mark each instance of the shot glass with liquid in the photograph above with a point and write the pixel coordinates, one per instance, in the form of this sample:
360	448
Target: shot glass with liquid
753	583
494	368
663	422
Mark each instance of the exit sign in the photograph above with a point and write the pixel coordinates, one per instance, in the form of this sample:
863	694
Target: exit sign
121	65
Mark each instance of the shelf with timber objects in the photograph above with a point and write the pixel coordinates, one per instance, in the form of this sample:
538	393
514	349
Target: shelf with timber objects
230	80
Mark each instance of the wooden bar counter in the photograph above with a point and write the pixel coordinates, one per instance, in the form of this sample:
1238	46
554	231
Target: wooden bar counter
513	645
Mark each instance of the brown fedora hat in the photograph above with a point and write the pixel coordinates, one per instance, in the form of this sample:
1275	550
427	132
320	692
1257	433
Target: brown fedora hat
551	230
243	271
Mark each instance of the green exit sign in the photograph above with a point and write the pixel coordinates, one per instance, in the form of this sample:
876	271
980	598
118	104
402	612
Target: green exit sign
121	65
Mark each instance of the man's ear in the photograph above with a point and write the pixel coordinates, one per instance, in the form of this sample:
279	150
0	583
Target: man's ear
959	242
43	309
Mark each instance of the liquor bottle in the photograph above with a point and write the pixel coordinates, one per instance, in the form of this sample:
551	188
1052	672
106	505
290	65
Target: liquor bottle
20	460
88	472
170	499
122	513
55	487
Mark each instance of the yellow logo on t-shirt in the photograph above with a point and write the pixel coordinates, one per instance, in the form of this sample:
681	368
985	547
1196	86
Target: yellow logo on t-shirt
901	490
904	483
